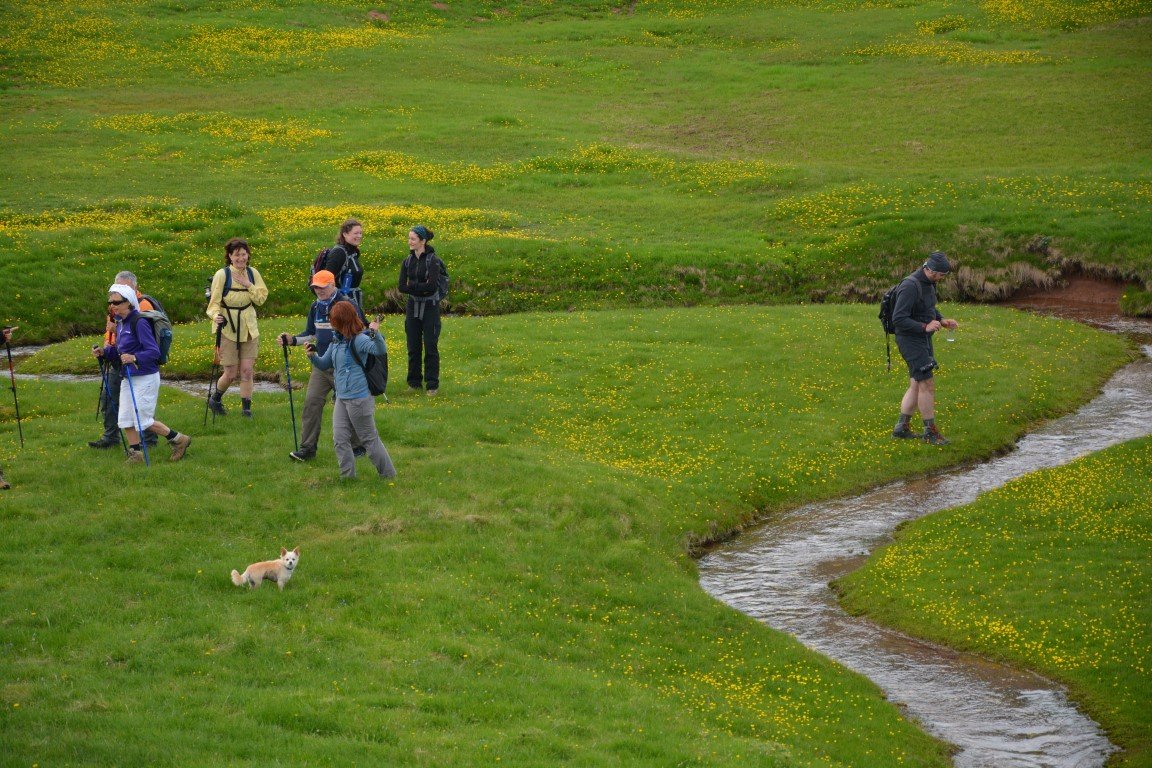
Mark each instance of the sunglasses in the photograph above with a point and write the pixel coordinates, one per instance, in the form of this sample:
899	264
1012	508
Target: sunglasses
118	303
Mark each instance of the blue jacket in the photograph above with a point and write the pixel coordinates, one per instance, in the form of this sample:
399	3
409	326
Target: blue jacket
350	380
318	327
134	337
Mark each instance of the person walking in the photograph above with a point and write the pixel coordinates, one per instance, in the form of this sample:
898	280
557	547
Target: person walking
138	353
318	331
113	374
916	319
343	261
236	291
355	412
420	280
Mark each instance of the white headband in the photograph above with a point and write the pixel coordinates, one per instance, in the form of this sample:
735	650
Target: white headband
127	292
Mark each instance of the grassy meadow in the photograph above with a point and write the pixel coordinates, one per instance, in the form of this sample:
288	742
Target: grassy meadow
521	594
574	154
657	216
1050	572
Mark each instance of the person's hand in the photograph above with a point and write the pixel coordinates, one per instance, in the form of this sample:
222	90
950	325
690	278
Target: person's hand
285	341
124	359
310	348
97	351
7	331
374	325
933	326
220	320
950	323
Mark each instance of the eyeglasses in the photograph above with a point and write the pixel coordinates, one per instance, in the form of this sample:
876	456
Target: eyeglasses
118	303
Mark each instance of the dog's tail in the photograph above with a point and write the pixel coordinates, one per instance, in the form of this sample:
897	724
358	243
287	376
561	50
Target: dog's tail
237	579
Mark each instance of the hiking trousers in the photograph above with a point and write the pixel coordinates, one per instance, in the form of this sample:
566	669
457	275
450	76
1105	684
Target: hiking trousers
353	419
320	383
423	336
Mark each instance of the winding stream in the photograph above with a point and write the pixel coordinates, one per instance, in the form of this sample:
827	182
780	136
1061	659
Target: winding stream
996	717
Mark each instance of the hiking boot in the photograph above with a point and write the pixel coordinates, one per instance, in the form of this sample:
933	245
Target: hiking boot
135	457
104	442
433	392
905	433
246	413
933	437
179	446
4	484
359	451
217	406
303	453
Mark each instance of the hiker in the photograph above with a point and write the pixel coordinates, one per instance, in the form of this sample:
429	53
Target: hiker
318	331
916	318
343	261
355	412
113	375
137	351
236	291
420	279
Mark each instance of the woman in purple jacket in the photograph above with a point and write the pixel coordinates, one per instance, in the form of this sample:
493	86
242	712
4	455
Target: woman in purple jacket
138	352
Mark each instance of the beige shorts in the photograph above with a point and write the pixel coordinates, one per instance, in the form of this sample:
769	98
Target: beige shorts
228	352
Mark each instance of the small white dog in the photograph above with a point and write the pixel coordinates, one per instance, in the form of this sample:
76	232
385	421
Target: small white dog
278	571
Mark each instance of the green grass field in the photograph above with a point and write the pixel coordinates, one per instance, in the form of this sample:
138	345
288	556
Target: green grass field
574	154
521	593
662	201
1050	572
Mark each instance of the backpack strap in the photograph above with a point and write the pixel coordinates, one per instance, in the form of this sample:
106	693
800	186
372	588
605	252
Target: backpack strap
355	354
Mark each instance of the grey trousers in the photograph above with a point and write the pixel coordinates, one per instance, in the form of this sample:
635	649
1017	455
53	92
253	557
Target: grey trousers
357	418
320	383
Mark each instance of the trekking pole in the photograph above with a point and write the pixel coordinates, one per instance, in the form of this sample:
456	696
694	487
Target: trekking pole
103	389
16	400
291	404
139	431
215	377
104	369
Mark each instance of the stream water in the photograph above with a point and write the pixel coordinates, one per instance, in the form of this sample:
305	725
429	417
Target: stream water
995	716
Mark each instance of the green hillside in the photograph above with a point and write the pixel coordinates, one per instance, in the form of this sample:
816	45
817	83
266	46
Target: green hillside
574	153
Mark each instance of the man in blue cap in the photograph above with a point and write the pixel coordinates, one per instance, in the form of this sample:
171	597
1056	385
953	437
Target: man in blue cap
916	318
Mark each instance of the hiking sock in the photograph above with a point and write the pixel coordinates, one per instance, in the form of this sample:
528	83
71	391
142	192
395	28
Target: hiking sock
172	435
218	396
930	426
904	422
246	404
135	447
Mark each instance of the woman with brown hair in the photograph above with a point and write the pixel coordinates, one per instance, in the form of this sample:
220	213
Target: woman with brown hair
355	411
343	260
236	291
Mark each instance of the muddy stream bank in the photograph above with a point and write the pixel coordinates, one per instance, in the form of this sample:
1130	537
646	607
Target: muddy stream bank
996	717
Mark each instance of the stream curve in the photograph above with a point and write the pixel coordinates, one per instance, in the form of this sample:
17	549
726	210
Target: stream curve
996	717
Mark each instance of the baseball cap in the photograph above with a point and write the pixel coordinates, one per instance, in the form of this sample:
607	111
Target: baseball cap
323	278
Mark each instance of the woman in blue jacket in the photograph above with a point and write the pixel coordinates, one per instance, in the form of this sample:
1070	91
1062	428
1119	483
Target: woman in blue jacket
355	411
139	353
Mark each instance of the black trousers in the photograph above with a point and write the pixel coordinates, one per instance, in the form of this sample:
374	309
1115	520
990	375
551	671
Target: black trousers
423	336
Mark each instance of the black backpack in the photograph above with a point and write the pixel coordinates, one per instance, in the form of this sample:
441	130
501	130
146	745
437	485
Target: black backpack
442	281
375	369
318	262
322	258
887	304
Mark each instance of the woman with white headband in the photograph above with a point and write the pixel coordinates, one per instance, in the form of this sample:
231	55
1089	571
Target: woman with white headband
139	354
